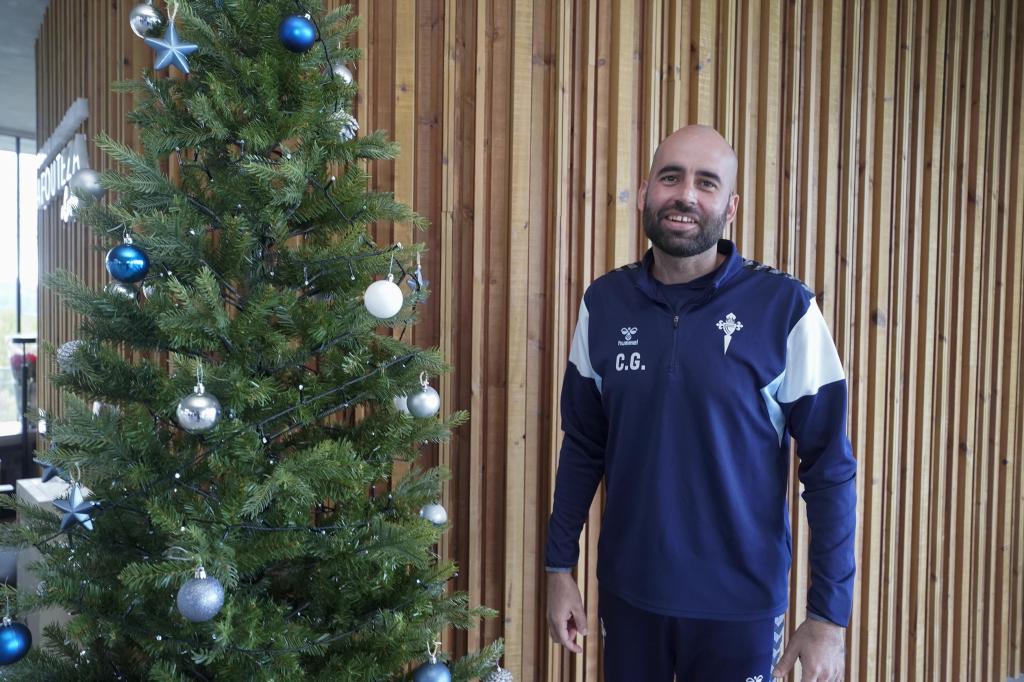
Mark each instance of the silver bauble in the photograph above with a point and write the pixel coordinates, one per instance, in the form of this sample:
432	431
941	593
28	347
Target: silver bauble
498	675
424	402
87	180
66	356
383	298
198	412
200	598
121	289
434	513
349	125
145	20
342	72
400	405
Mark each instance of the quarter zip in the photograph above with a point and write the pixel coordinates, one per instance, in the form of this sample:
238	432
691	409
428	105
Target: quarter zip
675	336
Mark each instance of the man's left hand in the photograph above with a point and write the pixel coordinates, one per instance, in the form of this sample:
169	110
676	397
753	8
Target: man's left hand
820	647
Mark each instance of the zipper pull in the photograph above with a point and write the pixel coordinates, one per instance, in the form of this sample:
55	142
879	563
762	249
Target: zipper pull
675	322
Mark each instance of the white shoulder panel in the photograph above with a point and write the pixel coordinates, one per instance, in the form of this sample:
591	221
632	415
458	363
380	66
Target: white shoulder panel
579	354
811	358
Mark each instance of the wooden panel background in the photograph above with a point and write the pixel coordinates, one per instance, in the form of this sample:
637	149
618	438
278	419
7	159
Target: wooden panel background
881	147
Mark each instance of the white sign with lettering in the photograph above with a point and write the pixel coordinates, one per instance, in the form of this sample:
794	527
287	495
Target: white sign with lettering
55	175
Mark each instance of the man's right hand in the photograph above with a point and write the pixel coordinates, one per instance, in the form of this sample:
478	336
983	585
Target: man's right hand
566	617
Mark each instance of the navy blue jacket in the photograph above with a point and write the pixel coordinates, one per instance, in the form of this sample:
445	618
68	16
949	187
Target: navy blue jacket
687	414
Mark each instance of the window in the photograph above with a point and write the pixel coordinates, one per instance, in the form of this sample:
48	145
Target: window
19	275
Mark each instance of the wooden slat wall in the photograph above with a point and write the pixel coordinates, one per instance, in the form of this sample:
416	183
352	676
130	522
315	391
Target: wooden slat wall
881	147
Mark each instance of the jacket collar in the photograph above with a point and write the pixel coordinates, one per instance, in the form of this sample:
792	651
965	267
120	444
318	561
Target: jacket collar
733	263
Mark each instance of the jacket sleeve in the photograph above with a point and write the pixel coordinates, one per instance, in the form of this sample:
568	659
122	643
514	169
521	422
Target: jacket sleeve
813	398
581	460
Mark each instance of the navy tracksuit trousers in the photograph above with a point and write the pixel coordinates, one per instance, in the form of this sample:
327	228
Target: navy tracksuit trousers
640	645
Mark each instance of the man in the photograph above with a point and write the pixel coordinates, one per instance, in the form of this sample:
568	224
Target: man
688	373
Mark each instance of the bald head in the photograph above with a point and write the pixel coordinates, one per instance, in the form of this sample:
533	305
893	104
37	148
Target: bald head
695	148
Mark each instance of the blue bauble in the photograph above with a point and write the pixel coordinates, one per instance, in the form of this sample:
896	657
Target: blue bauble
127	263
432	672
15	641
297	33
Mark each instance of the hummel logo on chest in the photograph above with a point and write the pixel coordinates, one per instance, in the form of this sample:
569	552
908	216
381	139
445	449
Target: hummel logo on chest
629	333
729	326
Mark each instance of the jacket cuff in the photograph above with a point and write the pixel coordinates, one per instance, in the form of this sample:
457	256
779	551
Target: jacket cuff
811	615
558	569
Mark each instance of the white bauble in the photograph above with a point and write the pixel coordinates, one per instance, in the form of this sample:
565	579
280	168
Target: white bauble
383	298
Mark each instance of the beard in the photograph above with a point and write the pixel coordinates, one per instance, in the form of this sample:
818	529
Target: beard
710	230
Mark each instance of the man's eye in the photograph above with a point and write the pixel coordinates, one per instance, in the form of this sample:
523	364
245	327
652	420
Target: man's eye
707	184
669	178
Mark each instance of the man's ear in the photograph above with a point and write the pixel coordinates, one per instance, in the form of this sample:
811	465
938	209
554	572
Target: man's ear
734	205
641	196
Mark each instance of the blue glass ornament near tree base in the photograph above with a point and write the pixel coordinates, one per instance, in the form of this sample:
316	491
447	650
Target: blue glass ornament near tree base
432	672
127	263
15	641
297	33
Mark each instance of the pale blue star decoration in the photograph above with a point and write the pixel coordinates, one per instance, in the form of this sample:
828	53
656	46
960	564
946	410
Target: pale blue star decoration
76	509
170	51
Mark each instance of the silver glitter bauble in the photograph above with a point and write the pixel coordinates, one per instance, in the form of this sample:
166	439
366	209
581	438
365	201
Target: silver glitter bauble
145	20
198	412
66	356
498	675
87	180
342	72
383	298
424	402
349	125
200	598
434	513
121	289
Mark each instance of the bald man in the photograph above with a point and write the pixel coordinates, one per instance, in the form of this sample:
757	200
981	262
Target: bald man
689	373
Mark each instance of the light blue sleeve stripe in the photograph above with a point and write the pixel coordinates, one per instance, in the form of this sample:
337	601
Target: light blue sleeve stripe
579	354
774	409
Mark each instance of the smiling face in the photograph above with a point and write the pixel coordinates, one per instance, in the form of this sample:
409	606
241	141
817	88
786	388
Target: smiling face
690	196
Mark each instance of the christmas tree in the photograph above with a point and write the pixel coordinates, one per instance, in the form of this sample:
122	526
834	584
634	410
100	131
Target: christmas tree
240	391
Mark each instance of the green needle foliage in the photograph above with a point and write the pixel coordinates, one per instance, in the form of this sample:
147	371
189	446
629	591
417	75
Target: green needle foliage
253	209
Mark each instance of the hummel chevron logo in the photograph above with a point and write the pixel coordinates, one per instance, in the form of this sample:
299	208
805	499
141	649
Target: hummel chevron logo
629	333
755	679
729	325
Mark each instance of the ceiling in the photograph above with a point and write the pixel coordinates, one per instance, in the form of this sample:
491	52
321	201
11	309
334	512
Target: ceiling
19	26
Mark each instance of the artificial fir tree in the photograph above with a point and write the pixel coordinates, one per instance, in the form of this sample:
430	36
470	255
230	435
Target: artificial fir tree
230	406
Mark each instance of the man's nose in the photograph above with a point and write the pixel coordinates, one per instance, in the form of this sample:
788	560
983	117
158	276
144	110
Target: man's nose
687	194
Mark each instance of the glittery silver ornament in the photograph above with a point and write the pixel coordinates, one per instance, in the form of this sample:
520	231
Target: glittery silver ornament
424	402
87	180
66	356
349	125
200	598
498	675
342	72
198	412
434	513
123	290
383	298
145	20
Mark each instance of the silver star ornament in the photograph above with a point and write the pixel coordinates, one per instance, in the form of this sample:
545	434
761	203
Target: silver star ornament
170	51
75	508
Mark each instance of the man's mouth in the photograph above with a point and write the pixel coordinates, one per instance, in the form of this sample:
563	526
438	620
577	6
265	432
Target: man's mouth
680	218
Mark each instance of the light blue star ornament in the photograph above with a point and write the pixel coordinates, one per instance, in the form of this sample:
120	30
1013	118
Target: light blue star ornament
170	51
76	509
